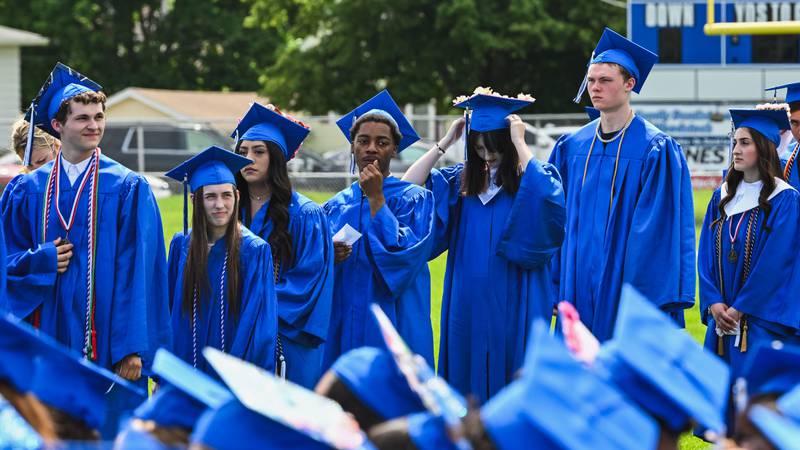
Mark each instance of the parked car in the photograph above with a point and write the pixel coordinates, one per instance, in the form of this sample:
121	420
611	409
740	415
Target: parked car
339	160
308	161
165	146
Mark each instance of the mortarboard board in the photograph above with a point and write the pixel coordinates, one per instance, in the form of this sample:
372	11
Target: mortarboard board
768	122
615	48
436	395
213	165
772	367
781	428
62	84
489	112
558	404
593	113
792	91
662	368
373	376
262	124
269	412
19	346
88	385
384	105
187	395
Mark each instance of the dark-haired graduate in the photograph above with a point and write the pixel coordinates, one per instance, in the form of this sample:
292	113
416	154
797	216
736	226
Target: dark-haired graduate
298	234
789	162
501	217
220	273
393	219
630	217
748	246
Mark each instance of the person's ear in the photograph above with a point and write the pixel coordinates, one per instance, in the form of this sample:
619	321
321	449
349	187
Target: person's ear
56	125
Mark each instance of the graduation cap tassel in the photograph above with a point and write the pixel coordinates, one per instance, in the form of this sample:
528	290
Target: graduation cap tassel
185	205
584	83
466	132
26	160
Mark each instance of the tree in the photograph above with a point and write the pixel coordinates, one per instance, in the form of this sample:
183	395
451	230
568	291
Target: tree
338	53
180	44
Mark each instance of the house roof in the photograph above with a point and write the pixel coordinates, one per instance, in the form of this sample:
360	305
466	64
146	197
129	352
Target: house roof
198	106
15	37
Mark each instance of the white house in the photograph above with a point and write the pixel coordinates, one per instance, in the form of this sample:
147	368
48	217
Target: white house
11	41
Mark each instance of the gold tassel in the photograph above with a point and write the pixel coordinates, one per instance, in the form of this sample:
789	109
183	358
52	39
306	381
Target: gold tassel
720	346
743	347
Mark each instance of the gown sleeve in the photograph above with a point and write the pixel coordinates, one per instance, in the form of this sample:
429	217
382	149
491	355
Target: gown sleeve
535	226
258	321
662	230
399	238
305	289
770	290
557	160
445	184
31	267
140	316
707	272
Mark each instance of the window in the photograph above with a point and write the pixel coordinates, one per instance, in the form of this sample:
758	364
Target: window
669	45
779	48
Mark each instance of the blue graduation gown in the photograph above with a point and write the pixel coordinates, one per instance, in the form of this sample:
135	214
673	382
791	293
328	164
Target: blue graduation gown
497	279
768	296
131	272
794	173
646	237
304	289
388	266
251	337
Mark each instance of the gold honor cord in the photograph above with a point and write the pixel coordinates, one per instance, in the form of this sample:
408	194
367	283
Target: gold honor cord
597	136
790	162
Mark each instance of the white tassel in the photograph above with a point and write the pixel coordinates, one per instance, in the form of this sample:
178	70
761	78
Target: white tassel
585	81
26	160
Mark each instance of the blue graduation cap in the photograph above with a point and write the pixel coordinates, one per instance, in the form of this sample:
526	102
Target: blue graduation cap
792	91
768	122
262	124
271	413
429	432
382	104
188	394
62	84
557	403
489	112
593	113
615	48
373	376
662	368
213	165
772	368
88	385
19	346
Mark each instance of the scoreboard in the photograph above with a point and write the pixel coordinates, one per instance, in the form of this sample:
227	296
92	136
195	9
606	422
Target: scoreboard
674	30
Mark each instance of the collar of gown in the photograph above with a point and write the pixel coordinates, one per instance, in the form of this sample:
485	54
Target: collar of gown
746	197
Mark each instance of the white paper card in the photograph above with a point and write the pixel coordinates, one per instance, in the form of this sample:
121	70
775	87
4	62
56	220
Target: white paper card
347	234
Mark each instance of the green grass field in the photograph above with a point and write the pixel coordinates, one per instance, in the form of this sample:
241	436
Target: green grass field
171	213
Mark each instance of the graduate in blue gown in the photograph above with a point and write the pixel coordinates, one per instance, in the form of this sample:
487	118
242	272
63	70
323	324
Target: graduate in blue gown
501	216
86	260
748	246
298	233
220	273
790	172
630	217
387	265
